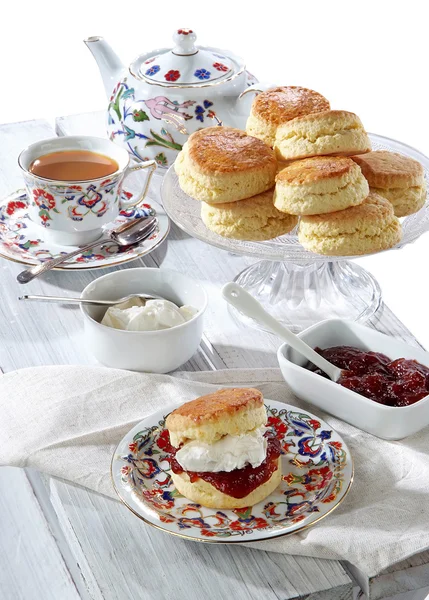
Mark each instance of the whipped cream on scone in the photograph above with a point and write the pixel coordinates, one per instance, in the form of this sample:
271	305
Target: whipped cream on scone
229	453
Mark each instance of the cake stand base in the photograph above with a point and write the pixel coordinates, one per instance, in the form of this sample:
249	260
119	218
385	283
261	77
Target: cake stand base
299	295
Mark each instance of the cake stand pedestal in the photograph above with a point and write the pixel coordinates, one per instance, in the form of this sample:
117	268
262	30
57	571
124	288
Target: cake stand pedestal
299	295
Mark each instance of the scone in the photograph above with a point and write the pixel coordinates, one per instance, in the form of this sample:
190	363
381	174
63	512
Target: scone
364	229
278	105
331	132
396	177
254	219
318	185
222	164
223	457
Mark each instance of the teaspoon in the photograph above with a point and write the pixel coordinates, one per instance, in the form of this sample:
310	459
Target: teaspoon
131	232
67	300
249	306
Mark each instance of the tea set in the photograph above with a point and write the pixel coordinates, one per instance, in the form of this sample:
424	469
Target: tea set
154	105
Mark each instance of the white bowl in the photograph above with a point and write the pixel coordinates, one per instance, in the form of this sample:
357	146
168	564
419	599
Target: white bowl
150	351
387	422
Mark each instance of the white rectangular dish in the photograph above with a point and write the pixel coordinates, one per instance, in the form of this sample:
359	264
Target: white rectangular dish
387	422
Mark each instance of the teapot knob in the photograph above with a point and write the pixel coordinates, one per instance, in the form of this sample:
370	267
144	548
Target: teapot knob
185	42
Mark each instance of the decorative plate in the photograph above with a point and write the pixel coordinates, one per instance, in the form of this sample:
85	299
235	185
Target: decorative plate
22	241
317	474
186	213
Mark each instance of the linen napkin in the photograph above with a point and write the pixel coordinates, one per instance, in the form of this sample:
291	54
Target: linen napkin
67	421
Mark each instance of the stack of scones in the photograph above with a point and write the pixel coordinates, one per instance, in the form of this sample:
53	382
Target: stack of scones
299	160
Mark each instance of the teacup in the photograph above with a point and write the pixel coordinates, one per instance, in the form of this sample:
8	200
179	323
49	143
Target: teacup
74	212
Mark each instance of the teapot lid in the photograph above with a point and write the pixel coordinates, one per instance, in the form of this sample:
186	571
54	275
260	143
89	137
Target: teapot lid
187	64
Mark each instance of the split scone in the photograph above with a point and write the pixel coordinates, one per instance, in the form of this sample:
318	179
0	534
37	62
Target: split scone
222	164
278	105
224	457
398	178
364	229
331	132
318	185
254	218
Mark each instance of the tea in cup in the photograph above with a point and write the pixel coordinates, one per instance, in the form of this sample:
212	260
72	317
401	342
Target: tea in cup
74	186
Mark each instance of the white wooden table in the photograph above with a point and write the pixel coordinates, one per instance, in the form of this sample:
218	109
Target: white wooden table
62	542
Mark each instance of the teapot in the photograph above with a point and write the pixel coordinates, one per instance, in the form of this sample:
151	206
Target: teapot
167	94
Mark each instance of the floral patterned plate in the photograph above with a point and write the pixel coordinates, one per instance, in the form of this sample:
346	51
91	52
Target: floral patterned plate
317	474
22	241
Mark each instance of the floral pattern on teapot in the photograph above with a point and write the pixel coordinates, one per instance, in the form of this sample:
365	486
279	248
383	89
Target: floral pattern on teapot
141	125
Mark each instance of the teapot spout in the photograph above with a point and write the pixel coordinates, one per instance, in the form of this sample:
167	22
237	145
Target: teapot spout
108	62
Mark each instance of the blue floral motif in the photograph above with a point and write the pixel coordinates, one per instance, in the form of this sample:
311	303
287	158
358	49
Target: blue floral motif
199	112
90	198
202	74
153	70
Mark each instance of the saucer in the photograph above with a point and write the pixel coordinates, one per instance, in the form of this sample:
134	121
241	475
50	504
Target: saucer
23	241
317	474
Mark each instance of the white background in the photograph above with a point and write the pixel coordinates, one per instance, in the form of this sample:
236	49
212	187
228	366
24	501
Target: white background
368	57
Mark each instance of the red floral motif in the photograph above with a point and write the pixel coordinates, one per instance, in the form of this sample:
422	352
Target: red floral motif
127	195
105	182
319	478
43	199
278	425
163	441
208	533
125	470
298	518
165	519
133	447
154	496
172	75
337	445
289	478
254	523
286	446
220	66
76	187
13	206
329	498
211	114
87	257
315	424
185	31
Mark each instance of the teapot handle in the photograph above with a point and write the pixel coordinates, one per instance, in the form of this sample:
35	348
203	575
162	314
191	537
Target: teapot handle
257	88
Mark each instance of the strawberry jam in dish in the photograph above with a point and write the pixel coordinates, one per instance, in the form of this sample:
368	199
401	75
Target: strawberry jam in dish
399	382
239	482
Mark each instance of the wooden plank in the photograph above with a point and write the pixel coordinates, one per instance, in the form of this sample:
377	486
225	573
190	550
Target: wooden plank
117	547
404	576
31	563
422	594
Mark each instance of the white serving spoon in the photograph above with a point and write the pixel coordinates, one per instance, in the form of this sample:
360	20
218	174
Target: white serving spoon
249	306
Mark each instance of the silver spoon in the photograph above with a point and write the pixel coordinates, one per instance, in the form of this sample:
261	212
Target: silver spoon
131	232
249	306
66	300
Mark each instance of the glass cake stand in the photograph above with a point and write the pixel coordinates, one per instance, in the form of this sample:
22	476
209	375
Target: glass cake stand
296	286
